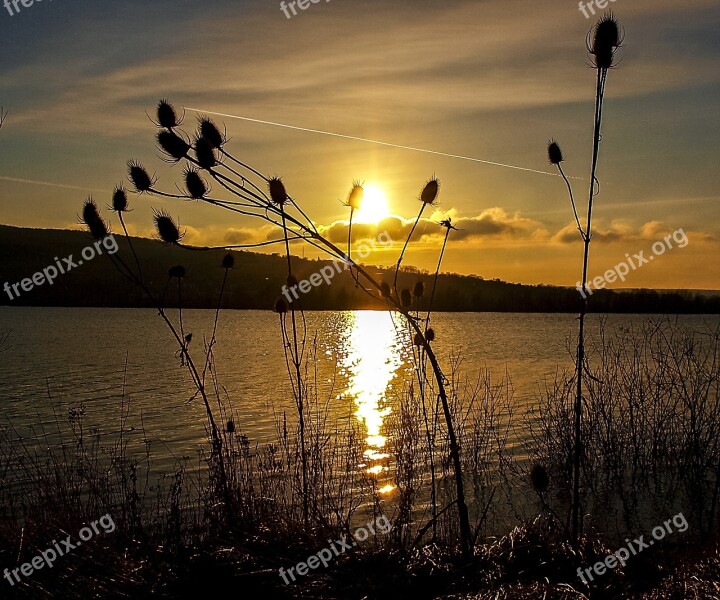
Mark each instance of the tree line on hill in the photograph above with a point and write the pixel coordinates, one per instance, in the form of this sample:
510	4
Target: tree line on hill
257	279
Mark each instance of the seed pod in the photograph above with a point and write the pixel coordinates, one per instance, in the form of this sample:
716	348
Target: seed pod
555	155
277	191
91	218
606	40
406	298
166	227
98	229
205	153
417	340
419	289
196	187
173	145
430	335
139	177
430	191
90	210
230	427
211	133
356	195
166	115
385	289
228	261
119	199
291	281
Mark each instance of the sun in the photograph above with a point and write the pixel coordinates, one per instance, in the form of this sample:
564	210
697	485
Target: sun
374	206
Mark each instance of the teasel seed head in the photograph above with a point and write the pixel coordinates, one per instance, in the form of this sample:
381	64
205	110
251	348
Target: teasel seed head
173	145
178	272
356	195
230	427
195	185
209	132
539	477
277	191
430	335
92	220
205	153
166	227
228	261
90	210
419	289
291	281
555	155
406	298
430	191
139	177
606	40
166	115
385	289
119	199
417	340
281	306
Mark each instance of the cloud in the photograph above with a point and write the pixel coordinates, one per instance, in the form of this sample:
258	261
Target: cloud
619	231
491	224
496	223
237	235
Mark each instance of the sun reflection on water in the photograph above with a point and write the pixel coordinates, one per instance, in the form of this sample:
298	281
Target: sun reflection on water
373	357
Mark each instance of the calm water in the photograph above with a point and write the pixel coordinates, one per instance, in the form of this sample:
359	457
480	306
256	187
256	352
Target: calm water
63	357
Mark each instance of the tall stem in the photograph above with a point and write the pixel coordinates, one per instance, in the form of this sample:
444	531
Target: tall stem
299	391
599	95
407	241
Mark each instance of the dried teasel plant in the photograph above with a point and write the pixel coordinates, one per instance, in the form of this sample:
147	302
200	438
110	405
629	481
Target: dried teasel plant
603	42
245	191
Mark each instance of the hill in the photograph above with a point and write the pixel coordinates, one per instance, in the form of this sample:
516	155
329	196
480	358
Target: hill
257	279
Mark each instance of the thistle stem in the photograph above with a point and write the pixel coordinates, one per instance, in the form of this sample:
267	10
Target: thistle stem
577	458
407	241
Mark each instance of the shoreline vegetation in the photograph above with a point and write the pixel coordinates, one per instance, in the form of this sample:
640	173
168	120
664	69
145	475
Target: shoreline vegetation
26	251
651	451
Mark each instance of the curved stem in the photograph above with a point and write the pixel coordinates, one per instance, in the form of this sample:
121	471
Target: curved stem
407	241
572	201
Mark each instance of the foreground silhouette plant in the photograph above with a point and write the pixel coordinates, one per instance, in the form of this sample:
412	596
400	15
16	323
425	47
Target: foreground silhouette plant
606	39
258	196
169	234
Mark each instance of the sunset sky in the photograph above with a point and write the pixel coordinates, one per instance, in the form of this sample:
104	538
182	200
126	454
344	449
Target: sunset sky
492	80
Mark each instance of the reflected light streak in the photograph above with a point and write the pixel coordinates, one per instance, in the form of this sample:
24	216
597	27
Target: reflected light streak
373	357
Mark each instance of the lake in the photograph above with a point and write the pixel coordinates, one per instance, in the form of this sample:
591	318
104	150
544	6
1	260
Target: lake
59	358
